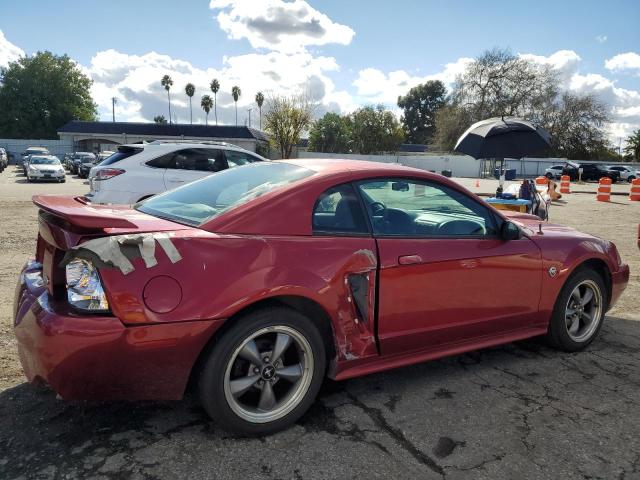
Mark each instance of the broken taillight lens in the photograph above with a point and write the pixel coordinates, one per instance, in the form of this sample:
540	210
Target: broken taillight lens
107	173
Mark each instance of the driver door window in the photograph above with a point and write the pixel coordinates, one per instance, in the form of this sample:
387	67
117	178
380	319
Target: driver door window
411	208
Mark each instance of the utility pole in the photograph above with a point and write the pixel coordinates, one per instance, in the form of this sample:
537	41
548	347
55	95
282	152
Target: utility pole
113	108
249	111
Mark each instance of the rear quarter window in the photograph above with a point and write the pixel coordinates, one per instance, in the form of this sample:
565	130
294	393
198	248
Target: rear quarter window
121	154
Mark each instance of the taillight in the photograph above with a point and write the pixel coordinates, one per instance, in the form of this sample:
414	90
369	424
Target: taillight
107	173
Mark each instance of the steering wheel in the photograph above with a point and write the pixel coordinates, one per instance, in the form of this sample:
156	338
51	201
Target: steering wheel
377	208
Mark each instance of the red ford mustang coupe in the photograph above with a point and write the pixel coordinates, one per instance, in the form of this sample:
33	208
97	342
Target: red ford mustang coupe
257	282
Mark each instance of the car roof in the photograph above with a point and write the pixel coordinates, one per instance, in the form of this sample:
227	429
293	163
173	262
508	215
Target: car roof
326	166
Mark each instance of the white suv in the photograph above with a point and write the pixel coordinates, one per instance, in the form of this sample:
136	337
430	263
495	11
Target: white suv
138	171
626	173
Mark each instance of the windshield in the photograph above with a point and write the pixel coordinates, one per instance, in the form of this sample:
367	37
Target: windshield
200	201
44	161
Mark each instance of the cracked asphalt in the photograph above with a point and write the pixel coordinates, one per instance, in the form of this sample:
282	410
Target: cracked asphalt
519	411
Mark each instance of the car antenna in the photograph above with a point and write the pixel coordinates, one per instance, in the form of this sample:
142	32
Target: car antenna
540	232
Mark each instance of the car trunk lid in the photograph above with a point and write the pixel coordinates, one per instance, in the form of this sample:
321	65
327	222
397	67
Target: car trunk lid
64	222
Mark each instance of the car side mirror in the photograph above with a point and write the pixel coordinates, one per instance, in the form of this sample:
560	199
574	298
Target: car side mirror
509	231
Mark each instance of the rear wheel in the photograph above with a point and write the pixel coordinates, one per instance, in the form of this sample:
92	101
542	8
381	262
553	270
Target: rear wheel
264	372
579	311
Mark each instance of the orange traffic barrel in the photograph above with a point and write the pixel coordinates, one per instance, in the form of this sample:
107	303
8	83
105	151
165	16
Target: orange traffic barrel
634	194
604	190
542	181
565	183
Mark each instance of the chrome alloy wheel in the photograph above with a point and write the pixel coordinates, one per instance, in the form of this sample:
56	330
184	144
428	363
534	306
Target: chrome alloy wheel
268	374
583	311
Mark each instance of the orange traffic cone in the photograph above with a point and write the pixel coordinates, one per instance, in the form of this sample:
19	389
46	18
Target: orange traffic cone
565	182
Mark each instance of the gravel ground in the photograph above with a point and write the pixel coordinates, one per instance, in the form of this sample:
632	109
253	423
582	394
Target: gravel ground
517	411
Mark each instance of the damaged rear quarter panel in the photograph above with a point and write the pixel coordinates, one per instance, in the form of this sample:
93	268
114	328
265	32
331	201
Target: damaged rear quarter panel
221	274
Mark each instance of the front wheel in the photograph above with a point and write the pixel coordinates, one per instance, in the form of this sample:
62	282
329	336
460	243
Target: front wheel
630	178
579	311
264	372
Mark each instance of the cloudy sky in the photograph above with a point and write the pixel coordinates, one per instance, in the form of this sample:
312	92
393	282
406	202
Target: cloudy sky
342	53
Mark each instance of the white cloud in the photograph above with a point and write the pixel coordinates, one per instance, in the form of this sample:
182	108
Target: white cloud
601	38
8	51
623	61
134	80
375	86
564	62
279	25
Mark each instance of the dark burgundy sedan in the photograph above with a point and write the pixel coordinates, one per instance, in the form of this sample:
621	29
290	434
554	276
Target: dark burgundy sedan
257	282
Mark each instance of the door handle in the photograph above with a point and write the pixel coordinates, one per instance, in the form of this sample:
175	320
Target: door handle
409	259
177	180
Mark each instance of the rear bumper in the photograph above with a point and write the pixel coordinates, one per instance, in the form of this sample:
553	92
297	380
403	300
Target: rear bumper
619	281
97	357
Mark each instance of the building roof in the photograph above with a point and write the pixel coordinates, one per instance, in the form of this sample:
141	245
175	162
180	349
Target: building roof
162	130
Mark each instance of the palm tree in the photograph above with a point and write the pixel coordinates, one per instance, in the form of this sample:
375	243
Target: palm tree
206	103
190	90
236	92
260	101
159	119
166	82
215	86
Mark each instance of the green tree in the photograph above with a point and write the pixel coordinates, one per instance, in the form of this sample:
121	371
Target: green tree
215	87
286	119
206	103
375	130
576	124
190	90
633	145
166	82
420	105
40	93
330	134
235	93
260	101
160	119
499	83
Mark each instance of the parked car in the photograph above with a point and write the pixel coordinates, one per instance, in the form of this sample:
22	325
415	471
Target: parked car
87	163
45	167
67	159
139	171
4	159
626	173
590	171
34	151
258	281
78	159
554	172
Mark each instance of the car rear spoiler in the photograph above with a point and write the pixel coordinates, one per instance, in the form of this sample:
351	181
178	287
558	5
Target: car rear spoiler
78	211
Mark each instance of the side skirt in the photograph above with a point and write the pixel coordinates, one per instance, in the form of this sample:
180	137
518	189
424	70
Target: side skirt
382	363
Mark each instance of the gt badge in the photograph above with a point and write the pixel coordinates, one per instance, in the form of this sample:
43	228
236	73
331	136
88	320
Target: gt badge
553	271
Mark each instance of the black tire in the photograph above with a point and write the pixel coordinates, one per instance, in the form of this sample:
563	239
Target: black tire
558	333
211	383
549	176
631	178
